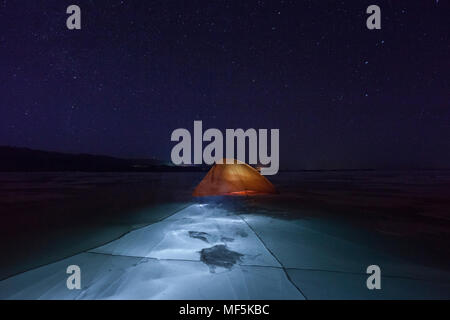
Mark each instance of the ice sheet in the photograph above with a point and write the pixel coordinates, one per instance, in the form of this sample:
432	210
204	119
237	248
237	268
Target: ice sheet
314	244
337	286
183	236
117	277
201	252
206	251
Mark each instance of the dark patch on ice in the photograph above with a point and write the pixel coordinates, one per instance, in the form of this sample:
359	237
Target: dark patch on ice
199	235
220	256
242	233
226	239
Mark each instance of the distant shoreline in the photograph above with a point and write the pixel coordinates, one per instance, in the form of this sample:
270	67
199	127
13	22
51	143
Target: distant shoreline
16	159
202	169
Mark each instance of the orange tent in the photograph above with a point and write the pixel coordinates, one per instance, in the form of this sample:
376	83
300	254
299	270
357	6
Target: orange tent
236	178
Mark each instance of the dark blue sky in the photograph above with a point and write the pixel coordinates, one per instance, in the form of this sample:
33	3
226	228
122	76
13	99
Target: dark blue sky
341	95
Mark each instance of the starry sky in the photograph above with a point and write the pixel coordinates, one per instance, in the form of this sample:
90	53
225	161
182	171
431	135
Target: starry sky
342	96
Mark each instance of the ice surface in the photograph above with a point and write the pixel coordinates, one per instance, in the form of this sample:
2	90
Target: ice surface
184	235
336	285
316	245
163	261
117	277
214	251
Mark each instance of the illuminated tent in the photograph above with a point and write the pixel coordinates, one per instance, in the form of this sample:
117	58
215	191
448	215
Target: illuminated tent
236	178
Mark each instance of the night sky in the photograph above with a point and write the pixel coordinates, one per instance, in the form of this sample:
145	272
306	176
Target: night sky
342	96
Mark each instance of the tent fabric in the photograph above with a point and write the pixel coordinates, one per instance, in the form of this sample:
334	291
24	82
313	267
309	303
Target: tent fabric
233	178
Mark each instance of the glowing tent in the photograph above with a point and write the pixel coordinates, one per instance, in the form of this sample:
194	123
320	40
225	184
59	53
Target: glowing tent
236	178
